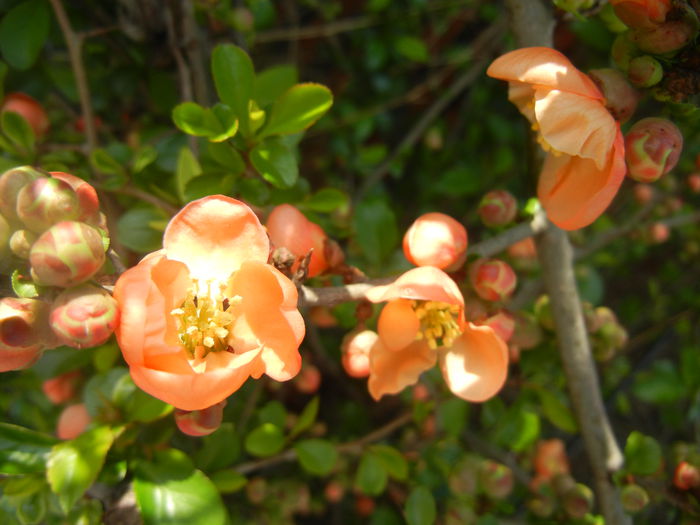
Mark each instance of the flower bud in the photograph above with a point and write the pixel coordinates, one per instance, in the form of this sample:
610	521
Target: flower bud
578	501
356	347
634	498
527	332
693	182
87	197
620	97
308	380
200	422
11	182
658	233
664	38
29	109
73	421
644	13
21	243
23	332
84	316
464	478
523	254
256	490
498	208
67	254
652	148
61	388
495	479
502	322
686	476
322	317
550	459
334	492
436	239
623	51
492	279
645	71
46	201
542	506
289	228
364	505
643	193
543	312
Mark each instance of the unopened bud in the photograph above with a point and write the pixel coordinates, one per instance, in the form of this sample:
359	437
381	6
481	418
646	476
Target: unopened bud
29	109
495	479
73	421
623	51
61	388
693	182
578	501
550	459
46	201
620	97
200	422
356	347
364	505
67	254
256	490
643	193
84	316
322	317
5	234
492	279
664	38
334	492
658	233
652	148
87	197
308	380
523	254
21	243
502	322
686	476
542	506
11	182
634	498
23	332
463	479
648	14
436	239
498	208
645	71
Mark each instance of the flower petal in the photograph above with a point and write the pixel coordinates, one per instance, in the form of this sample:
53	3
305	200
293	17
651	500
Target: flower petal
398	324
543	66
425	283
214	235
391	372
574	192
476	365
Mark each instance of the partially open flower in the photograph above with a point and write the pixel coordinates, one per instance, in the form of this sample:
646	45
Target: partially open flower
200	422
436	239
207	311
653	148
423	323
584	166
73	421
23	332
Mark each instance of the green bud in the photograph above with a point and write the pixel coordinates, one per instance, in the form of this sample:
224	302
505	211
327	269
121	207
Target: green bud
645	71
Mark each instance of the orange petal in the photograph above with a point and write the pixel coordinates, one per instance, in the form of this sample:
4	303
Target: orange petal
545	67
476	365
398	324
574	192
391	372
425	283
214	235
576	125
522	95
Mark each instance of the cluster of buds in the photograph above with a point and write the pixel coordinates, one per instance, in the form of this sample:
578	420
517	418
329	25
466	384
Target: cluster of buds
607	335
52	236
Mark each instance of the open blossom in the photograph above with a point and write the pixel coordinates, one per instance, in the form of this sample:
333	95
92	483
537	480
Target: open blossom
585	162
423	324
206	312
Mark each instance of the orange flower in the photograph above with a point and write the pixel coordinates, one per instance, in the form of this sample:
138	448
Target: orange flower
423	323
207	311
585	162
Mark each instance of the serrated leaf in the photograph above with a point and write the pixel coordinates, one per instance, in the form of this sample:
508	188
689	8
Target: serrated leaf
297	109
272	82
371	477
234	76
74	465
23	451
306	419
317	456
23	287
643	454
420	507
327	200
275	162
265	440
18	131
187	169
393	461
23	31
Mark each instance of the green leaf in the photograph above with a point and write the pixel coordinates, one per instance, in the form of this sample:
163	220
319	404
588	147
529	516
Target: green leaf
265	440
170	491
375	227
74	465
297	109
187	169
18	130
327	200
219	449
142	407
661	384
372	475
519	429
3	74
143	158
420	507
273	412
393	461
210	184
306	419
217	124
106	392
23	31
642	454
275	162
23	451
228	481
317	456
558	412
23	287
227	156
412	48
272	82
452	415
234	76
134	229
103	162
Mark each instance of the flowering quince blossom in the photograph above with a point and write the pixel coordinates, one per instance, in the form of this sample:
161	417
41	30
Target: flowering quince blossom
423	323
206	312
585	162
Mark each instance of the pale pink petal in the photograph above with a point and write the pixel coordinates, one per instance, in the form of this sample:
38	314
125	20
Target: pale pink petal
425	283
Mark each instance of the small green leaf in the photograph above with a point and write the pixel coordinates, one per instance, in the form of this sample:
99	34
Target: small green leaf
297	109
187	169
144	157
265	440
217	124
142	407
452	415
372	476
273	412
420	507
317	456
23	451
210	184
102	161
393	461
23	287
18	131
376	230
558	412
272	82
642	454
228	481
74	465
275	162
306	419
234	76
412	48
135	232
227	157
519	429
23	31
219	449
327	200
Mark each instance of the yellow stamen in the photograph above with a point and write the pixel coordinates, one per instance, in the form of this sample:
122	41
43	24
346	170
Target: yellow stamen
438	322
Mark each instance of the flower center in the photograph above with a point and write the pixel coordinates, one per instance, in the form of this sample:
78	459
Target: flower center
203	321
438	322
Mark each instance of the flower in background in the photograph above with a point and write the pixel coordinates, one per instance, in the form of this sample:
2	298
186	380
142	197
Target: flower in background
585	162
206	312
423	324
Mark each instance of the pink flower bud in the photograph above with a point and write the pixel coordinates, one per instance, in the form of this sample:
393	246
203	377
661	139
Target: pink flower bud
46	201
502	322
73	421
634	498
578	501
87	197
11	182
523	254
62	388
652	148
23	332
29	109
645	71
620	97
436	239
550	459
686	476
492	279
334	492
693	182
498	208
84	316
641	13
322	317
658	233
21	243
200	422
364	505
356	347
643	193
495	479
664	38
67	254
289	228
463	479
308	380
